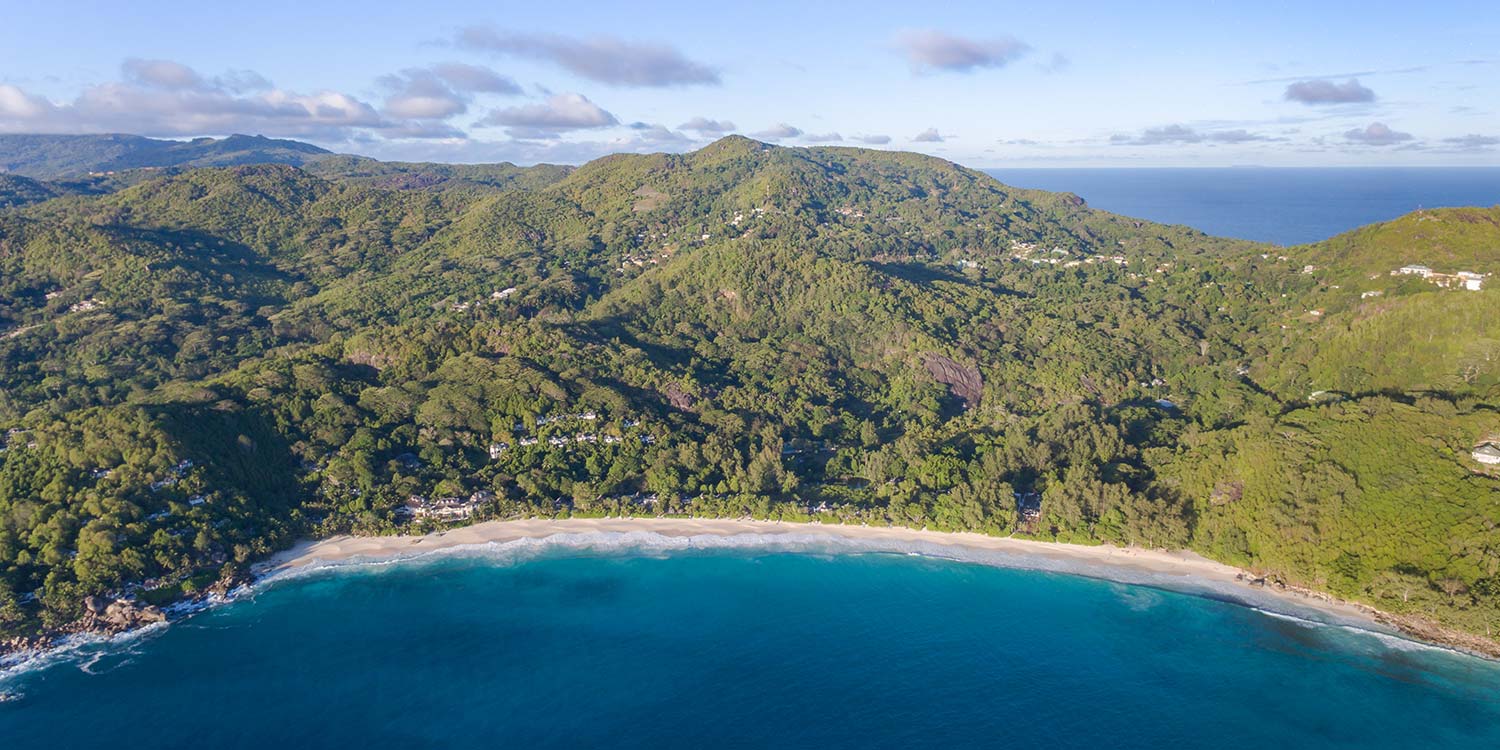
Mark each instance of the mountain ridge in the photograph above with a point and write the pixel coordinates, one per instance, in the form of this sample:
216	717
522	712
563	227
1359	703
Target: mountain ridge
63	156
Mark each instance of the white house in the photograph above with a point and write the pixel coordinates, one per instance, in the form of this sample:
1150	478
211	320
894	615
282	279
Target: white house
1486	453
1415	269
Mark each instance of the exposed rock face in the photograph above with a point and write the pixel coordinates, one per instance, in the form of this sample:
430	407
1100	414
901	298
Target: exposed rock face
677	397
964	380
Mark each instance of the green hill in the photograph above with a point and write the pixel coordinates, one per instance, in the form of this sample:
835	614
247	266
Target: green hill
21	191
1358	325
794	333
55	156
394	175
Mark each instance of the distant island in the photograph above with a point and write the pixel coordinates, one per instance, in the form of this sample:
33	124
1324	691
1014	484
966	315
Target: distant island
212	349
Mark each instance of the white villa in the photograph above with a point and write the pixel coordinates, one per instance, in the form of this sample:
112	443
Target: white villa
1462	280
1486	453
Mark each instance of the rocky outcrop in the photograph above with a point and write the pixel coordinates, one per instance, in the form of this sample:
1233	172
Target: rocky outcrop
963	380
24	644
102	615
118	615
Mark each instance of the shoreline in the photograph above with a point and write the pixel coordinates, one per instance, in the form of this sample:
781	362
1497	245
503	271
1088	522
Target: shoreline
1182	571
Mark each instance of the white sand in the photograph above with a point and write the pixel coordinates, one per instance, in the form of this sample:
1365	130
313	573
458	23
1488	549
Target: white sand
1185	571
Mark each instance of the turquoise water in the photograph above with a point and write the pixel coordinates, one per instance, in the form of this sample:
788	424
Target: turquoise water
1288	206
745	648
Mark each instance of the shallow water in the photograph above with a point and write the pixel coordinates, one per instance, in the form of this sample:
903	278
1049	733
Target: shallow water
569	647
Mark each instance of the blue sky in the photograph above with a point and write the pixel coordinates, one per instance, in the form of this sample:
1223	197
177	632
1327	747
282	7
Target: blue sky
986	84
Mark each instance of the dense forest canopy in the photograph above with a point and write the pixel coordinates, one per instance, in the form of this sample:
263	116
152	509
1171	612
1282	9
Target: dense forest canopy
200	365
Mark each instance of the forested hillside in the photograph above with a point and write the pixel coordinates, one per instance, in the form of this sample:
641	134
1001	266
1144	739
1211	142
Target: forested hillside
205	364
73	156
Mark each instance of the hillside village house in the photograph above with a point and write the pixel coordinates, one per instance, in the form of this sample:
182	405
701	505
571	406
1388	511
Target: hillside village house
1462	280
1486	453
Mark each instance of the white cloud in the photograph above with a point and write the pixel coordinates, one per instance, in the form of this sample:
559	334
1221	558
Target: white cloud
705	126
561	112
164	98
1182	134
1377	134
604	59
422	95
162	74
777	132
1473	142
476	78
1328	92
932	50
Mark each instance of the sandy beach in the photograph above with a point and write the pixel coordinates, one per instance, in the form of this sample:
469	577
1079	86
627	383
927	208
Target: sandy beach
1182	570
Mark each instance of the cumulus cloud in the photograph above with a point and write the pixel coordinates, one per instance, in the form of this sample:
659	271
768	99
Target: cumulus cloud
660	136
604	59
873	140
170	75
242	81
930	135
1322	91
1376	134
929	50
164	98
1473	142
561	112
705	126
422	95
162	74
476	78
822	137
441	91
1181	134
779	131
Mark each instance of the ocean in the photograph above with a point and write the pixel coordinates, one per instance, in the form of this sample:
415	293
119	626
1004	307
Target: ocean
1286	206
759	647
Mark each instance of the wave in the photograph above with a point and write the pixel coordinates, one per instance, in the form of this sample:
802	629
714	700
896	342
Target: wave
82	649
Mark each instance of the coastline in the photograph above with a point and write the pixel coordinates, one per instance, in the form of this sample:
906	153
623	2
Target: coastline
1183	571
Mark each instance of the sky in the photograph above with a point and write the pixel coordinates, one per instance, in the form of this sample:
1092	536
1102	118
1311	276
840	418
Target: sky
986	84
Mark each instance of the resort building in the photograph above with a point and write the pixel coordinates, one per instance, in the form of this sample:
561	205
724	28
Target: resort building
1486	453
1462	280
443	508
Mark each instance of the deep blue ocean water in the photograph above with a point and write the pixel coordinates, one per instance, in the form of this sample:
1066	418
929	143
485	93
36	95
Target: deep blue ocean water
746	649
1288	206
